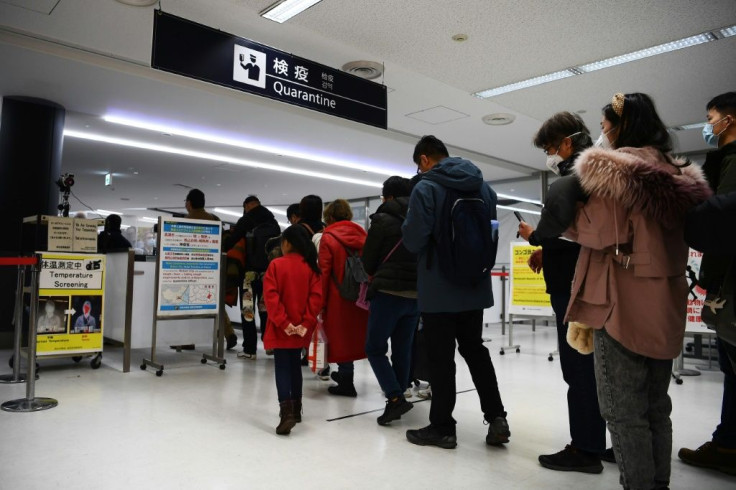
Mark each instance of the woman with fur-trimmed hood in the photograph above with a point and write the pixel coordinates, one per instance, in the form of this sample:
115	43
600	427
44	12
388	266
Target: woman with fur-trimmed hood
630	284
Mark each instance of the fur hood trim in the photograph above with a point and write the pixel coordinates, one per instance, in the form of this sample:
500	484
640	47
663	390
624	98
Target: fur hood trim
642	180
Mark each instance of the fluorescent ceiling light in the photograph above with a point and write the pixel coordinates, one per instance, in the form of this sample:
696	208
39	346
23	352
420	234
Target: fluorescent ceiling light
517	198
277	211
614	61
146	219
286	9
521	210
551	77
214	157
690	126
159	128
646	53
230	213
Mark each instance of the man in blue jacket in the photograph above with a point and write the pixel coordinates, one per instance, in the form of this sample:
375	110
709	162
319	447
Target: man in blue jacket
450	312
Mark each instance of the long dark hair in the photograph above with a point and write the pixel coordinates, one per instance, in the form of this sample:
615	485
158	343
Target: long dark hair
302	244
639	124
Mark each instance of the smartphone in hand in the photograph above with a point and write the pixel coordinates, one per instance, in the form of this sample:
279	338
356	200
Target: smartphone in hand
518	216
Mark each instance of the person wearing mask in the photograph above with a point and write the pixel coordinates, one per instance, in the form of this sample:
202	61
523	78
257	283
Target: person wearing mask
562	137
450	313
718	260
293	293
111	238
629	283
344	322
256	226
392	293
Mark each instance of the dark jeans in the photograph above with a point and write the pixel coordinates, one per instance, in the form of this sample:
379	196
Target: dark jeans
725	434
250	337
288	368
587	427
441	330
632	392
392	317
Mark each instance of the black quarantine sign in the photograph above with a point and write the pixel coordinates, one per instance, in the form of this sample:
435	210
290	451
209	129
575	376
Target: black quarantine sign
193	50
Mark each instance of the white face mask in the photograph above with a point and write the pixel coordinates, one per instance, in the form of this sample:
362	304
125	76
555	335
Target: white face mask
553	163
602	141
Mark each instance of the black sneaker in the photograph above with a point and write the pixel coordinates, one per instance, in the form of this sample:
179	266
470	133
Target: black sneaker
608	456
232	341
429	436
571	459
394	410
498	432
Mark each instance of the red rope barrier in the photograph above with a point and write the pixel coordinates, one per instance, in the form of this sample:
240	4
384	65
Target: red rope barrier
18	260
500	274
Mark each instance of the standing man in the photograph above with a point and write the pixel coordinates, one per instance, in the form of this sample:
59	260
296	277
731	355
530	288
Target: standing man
720	169
450	312
563	137
292	213
257	226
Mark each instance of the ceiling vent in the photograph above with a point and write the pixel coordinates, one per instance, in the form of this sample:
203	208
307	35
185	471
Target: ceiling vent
364	69
499	119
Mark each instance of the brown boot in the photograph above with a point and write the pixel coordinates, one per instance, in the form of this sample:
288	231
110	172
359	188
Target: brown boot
288	421
297	410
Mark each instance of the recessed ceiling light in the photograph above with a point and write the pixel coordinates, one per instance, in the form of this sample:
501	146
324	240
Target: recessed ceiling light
138	3
499	119
215	157
609	62
286	9
460	38
581	111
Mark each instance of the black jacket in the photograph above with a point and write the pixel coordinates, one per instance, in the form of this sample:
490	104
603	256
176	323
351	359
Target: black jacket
559	256
256	216
109	241
711	225
399	272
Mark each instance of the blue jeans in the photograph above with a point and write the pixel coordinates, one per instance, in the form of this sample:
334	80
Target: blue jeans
725	434
288	368
587	427
632	392
391	317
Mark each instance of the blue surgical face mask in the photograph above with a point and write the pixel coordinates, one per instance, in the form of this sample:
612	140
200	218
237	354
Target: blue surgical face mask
711	139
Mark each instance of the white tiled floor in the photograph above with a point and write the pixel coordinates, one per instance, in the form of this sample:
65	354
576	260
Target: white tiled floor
202	428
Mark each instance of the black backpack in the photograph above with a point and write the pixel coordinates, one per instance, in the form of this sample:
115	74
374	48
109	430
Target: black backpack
256	257
354	274
464	240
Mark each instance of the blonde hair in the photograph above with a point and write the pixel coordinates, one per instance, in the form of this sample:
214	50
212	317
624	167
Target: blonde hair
338	210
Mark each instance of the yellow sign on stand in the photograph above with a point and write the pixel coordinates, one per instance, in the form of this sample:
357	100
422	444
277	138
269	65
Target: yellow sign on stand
528	290
70	306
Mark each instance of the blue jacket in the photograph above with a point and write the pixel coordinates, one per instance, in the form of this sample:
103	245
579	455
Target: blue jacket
435	293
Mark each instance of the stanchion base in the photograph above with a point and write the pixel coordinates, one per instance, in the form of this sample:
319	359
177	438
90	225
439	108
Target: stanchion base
29	405
9	378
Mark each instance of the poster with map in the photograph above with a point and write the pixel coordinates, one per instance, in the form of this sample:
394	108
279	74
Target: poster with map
189	267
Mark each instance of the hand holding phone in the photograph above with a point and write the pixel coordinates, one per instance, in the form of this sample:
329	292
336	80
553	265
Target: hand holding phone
518	216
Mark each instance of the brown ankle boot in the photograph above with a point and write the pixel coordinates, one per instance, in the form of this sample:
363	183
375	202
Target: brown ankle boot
297	410
288	421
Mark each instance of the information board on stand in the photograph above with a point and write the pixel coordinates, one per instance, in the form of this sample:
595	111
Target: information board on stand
70	304
695	295
528	290
188	267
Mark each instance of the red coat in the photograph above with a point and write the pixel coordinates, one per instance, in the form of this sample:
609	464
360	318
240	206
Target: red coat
293	294
345	324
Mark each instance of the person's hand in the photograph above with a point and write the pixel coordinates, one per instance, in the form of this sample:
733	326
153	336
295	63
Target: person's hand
301	331
291	329
525	230
535	261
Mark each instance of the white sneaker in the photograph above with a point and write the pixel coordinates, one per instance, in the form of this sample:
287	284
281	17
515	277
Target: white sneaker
245	355
408	393
425	394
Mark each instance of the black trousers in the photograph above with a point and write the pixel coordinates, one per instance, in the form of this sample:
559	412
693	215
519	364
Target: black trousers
250	335
587	427
442	331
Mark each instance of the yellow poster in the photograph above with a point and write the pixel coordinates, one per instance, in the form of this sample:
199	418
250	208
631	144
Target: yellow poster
70	308
528	290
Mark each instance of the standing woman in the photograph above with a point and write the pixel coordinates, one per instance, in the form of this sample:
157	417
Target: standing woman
345	324
629	281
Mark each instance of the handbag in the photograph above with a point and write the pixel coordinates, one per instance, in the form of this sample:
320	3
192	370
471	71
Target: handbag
718	311
317	353
362	301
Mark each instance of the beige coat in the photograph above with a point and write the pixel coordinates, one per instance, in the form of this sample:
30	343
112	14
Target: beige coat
630	275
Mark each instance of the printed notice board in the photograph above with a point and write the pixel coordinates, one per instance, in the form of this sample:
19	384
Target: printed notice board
188	267
528	290
70	312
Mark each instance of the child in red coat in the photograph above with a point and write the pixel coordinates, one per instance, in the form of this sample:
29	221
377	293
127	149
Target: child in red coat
293	294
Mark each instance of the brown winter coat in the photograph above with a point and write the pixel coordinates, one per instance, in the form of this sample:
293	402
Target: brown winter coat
637	207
